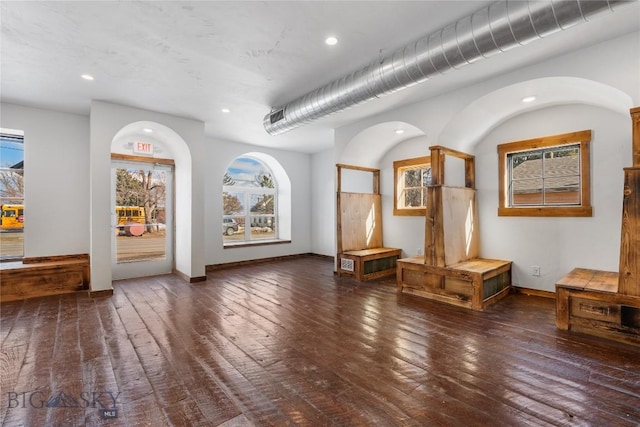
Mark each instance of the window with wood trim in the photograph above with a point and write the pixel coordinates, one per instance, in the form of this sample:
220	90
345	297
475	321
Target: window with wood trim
546	176
411	178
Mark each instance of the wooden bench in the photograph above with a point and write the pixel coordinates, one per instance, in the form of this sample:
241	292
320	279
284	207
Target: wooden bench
588	301
474	284
42	276
361	252
368	264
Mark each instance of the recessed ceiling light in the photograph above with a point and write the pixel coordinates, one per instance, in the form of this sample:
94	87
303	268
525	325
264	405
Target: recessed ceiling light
331	40
528	99
87	77
147	130
399	131
225	110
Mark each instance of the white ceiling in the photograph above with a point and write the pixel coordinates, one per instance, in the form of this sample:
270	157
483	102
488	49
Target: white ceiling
192	59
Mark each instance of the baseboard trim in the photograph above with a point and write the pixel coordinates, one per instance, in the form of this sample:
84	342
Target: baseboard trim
533	292
223	266
101	293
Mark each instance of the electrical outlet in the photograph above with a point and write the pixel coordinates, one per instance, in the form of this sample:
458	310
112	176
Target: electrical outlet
535	270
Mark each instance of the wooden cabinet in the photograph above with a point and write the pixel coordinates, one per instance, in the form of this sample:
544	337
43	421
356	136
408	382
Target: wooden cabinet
605	303
474	284
368	264
588	301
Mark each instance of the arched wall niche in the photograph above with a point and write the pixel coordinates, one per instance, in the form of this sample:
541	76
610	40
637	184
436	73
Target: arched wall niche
167	145
369	146
283	187
467	128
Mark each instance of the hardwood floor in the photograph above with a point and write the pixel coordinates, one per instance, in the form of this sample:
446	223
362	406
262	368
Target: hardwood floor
287	343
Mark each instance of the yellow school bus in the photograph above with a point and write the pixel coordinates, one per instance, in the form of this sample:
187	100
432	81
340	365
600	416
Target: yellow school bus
128	214
12	217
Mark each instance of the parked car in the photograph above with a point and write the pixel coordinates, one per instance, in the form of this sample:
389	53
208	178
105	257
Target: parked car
229	226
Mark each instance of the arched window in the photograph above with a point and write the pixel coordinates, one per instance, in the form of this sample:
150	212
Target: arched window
249	202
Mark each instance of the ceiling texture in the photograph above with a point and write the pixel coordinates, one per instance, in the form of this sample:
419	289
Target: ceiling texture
193	59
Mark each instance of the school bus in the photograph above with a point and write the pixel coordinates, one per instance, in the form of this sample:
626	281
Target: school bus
127	215
11	217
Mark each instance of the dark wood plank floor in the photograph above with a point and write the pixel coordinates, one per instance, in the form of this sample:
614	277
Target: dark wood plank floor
287	343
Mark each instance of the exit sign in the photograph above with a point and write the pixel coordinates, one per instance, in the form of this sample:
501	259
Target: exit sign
140	147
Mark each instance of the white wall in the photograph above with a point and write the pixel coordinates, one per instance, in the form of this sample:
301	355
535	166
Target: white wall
395	229
323	203
219	155
56	179
557	245
614	64
106	121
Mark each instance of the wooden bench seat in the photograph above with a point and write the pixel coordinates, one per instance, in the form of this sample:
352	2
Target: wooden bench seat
475	284
368	264
588	301
42	276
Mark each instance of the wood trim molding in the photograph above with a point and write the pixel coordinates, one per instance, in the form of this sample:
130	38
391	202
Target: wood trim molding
635	132
227	265
187	278
255	243
583	138
142	159
564	211
398	165
533	292
358	168
55	258
101	293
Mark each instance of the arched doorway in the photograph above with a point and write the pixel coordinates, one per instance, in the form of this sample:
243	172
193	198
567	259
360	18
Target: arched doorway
142	201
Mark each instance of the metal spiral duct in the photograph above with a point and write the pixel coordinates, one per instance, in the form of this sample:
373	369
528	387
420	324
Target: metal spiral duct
496	28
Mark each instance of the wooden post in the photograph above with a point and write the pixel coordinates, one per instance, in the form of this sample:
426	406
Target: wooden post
437	170
635	131
470	173
376	182
629	282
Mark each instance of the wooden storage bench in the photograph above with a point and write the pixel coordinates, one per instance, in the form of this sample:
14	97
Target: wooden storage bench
42	276
475	284
588	301
368	264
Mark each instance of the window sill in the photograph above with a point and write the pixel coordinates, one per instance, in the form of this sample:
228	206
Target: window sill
254	243
561	211
410	212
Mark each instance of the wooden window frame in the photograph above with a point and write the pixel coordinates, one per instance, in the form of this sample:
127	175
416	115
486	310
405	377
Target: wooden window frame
398	167
584	209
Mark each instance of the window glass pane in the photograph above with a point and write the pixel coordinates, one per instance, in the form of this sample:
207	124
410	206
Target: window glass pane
262	203
426	177
262	227
562	161
562	190
233	228
233	203
413	198
526	165
11	195
140	193
526	192
249	199
412	178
